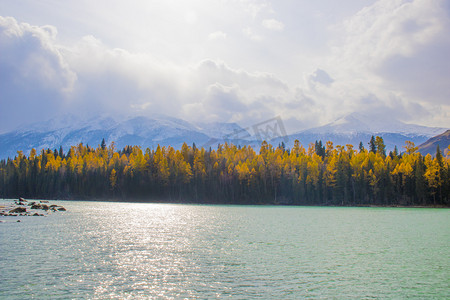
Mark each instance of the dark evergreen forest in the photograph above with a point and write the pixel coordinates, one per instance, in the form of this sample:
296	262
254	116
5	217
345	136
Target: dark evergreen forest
320	175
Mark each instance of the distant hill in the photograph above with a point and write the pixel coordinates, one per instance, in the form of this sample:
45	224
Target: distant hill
429	147
69	130
356	127
149	132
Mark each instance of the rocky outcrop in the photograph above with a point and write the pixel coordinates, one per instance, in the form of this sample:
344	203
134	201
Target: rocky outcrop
19	208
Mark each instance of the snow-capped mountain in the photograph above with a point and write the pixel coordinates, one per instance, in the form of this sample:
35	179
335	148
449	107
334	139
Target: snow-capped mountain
148	132
69	130
360	123
355	128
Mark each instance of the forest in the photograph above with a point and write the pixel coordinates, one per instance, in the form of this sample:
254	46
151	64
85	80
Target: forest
322	174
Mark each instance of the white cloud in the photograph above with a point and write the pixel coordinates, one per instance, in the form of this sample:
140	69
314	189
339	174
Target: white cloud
273	24
255	7
32	51
395	52
321	77
249	32
391	28
119	82
191	17
34	77
217	35
390	58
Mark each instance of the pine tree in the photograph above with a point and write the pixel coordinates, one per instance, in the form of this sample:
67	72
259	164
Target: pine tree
103	144
372	145
361	147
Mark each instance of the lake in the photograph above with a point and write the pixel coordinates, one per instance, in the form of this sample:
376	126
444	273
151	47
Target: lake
107	250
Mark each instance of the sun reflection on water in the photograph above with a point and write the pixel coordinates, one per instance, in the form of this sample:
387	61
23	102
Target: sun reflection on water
141	251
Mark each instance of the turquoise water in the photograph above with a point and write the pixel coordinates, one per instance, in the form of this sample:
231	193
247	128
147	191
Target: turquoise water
101	250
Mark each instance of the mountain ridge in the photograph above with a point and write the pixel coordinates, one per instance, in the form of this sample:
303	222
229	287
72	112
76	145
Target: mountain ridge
430	146
362	123
70	130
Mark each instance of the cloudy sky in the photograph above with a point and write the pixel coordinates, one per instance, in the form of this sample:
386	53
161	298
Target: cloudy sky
242	61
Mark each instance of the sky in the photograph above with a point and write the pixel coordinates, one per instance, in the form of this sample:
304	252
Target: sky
243	61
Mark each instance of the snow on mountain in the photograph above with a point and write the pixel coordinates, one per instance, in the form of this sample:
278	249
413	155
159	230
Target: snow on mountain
219	130
149	132
69	130
355	128
360	123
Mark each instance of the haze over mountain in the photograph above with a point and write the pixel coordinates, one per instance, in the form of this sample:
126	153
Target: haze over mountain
70	130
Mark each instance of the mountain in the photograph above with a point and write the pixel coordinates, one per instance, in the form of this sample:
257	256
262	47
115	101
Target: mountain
148	132
430	146
69	130
355	123
355	128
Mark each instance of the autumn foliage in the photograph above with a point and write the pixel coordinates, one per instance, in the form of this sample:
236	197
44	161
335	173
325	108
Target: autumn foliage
319	175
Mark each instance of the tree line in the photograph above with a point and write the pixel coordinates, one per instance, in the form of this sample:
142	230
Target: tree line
322	174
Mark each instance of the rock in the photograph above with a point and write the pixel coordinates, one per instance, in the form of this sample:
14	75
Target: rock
18	210
45	207
62	209
36	215
22	200
18	220
53	205
43	201
36	206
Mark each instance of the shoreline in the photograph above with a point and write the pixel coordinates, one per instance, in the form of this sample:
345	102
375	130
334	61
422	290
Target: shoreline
2	207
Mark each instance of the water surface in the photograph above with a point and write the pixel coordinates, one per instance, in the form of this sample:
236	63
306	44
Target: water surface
102	250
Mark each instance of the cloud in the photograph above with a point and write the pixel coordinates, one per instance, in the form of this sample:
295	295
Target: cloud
322	77
255	7
34	77
30	53
226	94
397	52
217	71
88	77
273	24
217	35
226	100
389	58
249	32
